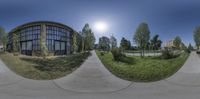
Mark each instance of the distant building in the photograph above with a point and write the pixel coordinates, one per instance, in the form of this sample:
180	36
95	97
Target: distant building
169	44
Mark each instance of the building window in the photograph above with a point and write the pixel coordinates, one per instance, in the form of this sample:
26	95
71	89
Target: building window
23	46
62	45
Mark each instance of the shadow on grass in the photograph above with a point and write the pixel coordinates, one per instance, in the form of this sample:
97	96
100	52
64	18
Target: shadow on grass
58	64
127	60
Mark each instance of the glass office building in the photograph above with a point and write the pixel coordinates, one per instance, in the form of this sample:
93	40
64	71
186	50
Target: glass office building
56	36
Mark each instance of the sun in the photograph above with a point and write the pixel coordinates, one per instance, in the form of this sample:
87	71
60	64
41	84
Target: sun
101	26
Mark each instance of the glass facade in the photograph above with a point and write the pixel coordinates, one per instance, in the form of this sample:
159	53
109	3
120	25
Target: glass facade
57	37
29	39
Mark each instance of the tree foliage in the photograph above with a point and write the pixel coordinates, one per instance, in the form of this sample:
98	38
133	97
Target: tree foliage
177	42
155	42
43	48
15	43
142	36
196	36
4	40
3	37
74	43
104	43
125	44
190	47
113	42
88	39
183	46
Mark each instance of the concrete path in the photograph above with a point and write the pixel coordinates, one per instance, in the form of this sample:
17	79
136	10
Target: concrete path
93	81
92	76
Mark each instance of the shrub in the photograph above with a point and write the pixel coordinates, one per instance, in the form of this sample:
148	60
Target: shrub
187	50
167	54
198	52
126	59
117	53
102	53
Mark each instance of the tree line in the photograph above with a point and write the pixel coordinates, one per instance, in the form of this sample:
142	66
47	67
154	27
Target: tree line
85	40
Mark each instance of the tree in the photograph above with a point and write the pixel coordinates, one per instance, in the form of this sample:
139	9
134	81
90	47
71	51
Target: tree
88	38
44	50
2	31
4	40
82	42
125	44
15	44
183	47
142	36
93	40
155	42
177	42
3	37
43	47
113	42
190	47
74	43
104	43
196	36
148	46
79	42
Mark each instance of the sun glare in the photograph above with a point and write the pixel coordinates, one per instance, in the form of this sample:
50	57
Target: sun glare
100	26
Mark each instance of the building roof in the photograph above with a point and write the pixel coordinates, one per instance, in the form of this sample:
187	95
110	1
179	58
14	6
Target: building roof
40	22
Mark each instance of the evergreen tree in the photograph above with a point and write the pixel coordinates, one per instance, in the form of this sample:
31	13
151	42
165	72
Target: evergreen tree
125	44
155	43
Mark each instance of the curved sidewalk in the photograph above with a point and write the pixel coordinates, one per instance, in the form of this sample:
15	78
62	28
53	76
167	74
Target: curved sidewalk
92	76
189	74
93	81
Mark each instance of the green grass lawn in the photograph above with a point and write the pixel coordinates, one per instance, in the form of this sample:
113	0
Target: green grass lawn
43	69
145	69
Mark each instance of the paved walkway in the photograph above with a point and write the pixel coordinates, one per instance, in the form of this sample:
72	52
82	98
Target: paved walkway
93	81
92	76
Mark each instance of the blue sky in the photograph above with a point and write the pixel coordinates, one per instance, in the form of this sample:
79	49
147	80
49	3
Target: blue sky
168	18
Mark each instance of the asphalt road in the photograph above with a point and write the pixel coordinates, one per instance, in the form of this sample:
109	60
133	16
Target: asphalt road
93	81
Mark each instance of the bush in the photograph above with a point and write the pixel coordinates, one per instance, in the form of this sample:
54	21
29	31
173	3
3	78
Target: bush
117	53
15	53
167	54
102	53
198	52
126	59
187	50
